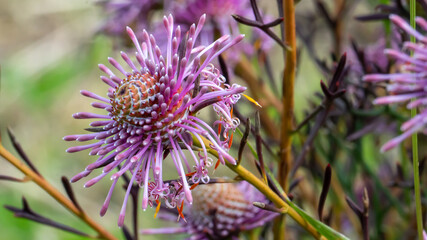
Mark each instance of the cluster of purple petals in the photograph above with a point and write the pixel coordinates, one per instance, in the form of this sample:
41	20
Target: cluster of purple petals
220	211
151	110
410	82
123	13
221	21
141	14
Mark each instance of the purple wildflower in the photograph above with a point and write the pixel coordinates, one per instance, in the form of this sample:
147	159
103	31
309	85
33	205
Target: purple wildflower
220	13
409	83
219	211
152	110
128	13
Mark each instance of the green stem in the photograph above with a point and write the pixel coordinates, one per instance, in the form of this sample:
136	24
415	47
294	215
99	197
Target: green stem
412	5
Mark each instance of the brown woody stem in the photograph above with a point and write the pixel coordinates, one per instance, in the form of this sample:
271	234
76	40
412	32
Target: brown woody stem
52	191
288	106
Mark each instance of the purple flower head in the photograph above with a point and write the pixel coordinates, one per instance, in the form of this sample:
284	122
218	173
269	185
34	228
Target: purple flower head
221	21
151	111
219	211
410	82
128	13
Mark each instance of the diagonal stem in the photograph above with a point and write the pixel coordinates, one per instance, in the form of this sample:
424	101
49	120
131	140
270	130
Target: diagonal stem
52	191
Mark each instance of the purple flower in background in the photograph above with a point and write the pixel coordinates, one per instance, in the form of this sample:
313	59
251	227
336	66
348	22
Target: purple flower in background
152	111
221	21
410	82
128	13
219	211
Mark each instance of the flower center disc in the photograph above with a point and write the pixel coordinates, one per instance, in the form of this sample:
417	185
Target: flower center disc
138	101
223	200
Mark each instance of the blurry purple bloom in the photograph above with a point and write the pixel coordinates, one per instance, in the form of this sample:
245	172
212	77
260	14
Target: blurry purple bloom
128	13
152	109
219	211
221	22
410	82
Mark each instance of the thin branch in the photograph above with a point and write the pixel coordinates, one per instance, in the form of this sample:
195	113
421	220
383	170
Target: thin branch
330	94
263	27
224	69
58	196
309	117
13	179
264	142
259	146
269	207
27	213
244	140
362	213
255	10
269	71
70	192
135	196
20	151
126	233
325	189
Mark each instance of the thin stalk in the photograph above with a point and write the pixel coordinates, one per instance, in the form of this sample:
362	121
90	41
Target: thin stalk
288	93
415	160
52	191
288	107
